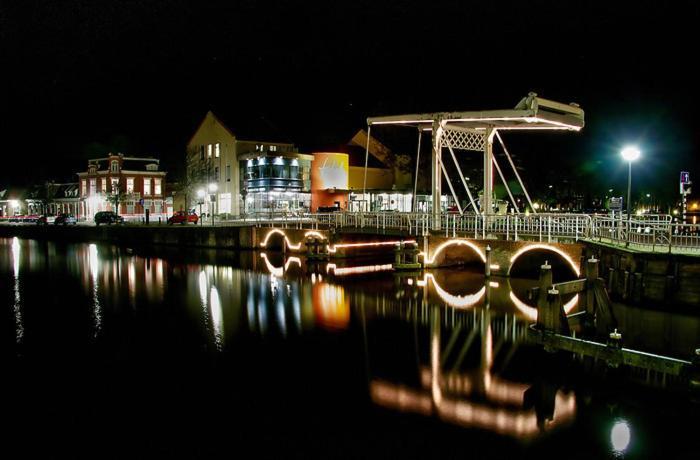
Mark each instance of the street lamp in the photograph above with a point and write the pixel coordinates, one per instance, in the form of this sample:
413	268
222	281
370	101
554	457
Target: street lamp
212	197
200	202
630	154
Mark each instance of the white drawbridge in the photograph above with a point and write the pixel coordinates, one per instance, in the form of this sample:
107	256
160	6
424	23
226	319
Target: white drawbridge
476	131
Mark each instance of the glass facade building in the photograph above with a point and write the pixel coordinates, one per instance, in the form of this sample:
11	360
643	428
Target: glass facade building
276	183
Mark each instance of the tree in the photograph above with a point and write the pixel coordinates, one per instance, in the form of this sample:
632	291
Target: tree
116	197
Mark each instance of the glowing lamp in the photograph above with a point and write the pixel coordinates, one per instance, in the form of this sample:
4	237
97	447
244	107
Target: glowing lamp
630	153
200	193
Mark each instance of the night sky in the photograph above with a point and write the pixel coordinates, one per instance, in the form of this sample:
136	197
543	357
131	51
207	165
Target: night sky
80	78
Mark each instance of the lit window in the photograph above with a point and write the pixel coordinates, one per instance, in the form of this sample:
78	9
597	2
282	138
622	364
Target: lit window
104	185
115	185
156	187
146	186
217	149
115	166
93	187
273	148
129	185
84	187
209	150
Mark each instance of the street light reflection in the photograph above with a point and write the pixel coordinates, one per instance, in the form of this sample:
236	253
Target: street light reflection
620	436
17	306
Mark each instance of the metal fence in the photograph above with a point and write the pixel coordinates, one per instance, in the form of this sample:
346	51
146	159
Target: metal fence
649	232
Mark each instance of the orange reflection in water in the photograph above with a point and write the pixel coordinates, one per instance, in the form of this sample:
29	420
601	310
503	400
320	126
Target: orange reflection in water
331	307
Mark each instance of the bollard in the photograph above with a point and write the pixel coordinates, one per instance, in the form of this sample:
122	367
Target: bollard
615	340
591	277
615	344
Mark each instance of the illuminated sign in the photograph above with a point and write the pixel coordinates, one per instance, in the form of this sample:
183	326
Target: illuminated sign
330	171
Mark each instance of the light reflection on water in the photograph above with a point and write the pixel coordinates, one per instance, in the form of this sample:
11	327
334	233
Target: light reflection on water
464	332
17	306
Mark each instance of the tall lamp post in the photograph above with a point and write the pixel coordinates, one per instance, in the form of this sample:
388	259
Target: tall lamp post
200	202
630	154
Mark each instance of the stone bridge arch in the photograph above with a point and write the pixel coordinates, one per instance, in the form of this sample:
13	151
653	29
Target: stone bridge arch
440	252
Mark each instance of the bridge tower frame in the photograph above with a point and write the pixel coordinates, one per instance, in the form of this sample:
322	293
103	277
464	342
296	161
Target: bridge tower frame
475	131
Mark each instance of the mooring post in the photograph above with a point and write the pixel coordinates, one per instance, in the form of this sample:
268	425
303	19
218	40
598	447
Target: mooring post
488	260
615	343
591	276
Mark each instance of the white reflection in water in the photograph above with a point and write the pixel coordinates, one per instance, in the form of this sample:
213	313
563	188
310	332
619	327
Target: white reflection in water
250	305
281	318
93	262
203	289
132	281
19	323
296	306
262	312
620	436
217	318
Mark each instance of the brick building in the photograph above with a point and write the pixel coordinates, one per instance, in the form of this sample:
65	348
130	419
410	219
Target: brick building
135	183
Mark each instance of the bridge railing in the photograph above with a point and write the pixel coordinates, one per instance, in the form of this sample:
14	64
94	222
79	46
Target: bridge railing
655	233
659	235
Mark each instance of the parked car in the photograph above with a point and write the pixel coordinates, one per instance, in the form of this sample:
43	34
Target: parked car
108	217
65	219
182	217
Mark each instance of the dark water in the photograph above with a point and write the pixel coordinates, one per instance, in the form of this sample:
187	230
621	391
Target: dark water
112	353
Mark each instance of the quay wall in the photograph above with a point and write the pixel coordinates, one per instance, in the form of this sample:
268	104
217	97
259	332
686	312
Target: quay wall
127	235
644	278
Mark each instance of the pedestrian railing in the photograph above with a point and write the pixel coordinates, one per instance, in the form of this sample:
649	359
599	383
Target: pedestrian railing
650	232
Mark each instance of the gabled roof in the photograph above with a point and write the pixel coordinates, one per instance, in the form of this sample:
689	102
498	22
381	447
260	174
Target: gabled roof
247	127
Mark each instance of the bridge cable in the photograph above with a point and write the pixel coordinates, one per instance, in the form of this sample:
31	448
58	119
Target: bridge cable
510	160
461	176
503	179
449	182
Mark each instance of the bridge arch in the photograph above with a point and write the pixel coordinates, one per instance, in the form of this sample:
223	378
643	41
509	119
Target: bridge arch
440	251
277	238
571	263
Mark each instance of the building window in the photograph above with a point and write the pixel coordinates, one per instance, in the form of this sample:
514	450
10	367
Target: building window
158	206
156	187
104	186
273	148
129	185
146	186
84	187
209	151
129	207
201	152
216	173
217	149
93	187
114	166
115	185
228	173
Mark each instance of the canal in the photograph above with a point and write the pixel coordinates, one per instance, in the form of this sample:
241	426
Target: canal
112	352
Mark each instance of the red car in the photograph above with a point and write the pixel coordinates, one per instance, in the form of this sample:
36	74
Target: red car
182	217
